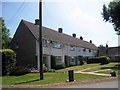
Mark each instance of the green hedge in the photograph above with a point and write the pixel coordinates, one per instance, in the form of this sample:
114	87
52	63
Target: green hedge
8	61
19	70
45	69
101	59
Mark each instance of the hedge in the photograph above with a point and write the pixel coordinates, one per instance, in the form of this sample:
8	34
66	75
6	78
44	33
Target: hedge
19	70
8	61
101	59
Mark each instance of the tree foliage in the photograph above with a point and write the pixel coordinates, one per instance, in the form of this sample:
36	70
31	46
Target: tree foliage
5	35
112	14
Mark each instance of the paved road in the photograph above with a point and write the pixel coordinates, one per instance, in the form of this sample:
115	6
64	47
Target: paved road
105	84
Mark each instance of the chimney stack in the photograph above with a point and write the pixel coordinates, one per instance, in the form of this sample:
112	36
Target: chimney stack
74	35
81	38
37	21
90	41
60	30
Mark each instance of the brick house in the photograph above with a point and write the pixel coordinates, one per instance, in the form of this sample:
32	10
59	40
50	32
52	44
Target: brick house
66	49
112	52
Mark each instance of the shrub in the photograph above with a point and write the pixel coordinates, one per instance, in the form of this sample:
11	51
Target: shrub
31	66
104	60
51	70
19	70
8	61
93	60
45	69
33	70
101	59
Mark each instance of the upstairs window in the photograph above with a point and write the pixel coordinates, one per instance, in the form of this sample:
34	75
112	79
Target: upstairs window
72	48
84	50
57	45
89	50
45	43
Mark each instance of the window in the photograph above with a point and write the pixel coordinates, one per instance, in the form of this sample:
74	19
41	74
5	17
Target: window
16	46
72	59
89	50
58	60
84	49
45	43
57	45
72	48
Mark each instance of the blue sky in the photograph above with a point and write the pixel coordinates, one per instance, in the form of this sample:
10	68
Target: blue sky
82	17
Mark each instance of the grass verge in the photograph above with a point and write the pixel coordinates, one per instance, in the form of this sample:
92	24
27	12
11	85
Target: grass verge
76	68
49	78
112	66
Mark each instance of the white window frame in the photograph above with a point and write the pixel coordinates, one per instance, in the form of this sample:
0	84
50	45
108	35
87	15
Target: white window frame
45	43
72	59
58	60
72	48
57	45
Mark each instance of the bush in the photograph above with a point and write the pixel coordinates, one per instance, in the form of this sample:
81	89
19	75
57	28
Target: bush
104	60
45	69
51	70
101	59
31	66
19	70
8	61
33	70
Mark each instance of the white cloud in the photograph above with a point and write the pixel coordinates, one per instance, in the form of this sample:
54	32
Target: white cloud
84	18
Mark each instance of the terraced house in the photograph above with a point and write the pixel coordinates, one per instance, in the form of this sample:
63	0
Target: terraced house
64	48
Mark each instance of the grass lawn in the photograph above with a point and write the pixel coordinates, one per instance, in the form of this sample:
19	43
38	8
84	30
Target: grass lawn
113	66
80	67
52	78
49	78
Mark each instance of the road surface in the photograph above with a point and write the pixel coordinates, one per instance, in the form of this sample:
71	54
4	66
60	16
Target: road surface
105	84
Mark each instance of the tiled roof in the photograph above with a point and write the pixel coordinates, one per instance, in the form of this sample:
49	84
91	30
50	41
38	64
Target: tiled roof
53	35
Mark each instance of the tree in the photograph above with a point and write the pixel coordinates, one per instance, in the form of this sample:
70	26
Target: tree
5	35
112	14
101	46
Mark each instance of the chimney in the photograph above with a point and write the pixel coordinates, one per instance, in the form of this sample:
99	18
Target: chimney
74	35
60	30
81	38
90	41
36	21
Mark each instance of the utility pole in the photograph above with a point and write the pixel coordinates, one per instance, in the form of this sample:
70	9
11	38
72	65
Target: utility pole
40	39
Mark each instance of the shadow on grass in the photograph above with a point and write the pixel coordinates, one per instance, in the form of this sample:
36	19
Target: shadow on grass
27	82
115	67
